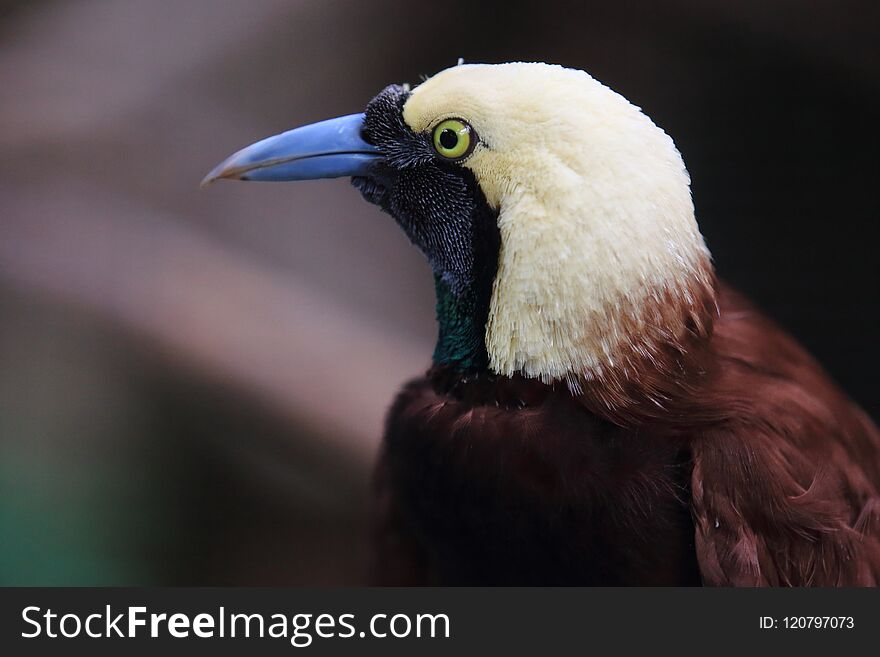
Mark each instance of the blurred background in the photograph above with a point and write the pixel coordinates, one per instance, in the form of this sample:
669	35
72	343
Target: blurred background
192	383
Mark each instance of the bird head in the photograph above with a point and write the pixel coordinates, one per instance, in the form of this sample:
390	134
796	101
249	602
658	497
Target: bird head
556	217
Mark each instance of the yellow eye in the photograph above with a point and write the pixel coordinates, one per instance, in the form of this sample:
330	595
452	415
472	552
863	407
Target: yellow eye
454	139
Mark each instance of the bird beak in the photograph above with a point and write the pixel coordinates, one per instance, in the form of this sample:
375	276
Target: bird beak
328	149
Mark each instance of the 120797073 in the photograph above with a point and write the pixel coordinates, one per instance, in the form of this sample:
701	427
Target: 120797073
807	623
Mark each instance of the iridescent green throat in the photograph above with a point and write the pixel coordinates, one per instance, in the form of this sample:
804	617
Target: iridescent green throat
462	326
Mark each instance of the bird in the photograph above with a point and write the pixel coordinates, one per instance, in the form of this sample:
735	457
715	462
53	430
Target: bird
600	408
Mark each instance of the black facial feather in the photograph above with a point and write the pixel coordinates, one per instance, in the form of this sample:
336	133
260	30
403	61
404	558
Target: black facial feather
431	200
441	208
384	127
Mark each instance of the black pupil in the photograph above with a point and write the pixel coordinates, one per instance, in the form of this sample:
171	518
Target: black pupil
448	139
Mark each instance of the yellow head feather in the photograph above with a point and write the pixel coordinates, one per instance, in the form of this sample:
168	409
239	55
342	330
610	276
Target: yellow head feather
594	210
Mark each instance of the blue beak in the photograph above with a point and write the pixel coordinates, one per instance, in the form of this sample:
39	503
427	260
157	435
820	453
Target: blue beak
328	149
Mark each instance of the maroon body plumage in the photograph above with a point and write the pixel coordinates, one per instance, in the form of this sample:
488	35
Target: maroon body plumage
760	472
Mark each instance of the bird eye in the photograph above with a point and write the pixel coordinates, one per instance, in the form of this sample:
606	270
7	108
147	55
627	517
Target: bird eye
454	139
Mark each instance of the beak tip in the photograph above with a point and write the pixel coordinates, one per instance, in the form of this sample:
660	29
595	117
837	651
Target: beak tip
222	170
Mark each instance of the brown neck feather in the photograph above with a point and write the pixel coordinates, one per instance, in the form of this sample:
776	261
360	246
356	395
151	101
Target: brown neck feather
657	373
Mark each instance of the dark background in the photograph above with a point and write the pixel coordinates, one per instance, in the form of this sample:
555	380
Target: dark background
192	383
